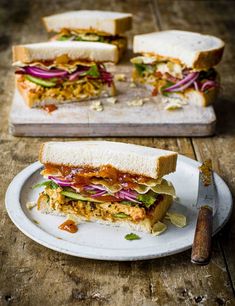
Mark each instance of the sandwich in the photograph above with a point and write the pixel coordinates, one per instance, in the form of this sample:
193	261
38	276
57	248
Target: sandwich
59	72
92	26
179	65
106	182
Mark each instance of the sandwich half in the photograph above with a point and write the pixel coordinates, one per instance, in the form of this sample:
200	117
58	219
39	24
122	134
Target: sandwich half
179	65
107	182
92	26
60	72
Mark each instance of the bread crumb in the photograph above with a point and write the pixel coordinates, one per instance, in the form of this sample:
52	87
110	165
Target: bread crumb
120	77
133	85
136	102
112	100
173	103
31	205
173	106
97	106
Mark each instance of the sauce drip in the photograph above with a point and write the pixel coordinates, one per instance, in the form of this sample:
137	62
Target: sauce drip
69	226
50	108
82	175
206	170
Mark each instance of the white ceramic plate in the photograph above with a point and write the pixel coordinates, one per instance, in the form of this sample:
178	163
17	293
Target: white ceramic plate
107	242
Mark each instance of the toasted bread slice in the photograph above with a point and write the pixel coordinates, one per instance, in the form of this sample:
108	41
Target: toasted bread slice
193	50
128	158
103	22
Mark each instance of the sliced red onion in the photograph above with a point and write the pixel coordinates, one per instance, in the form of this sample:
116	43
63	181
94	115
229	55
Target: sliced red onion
45	74
99	187
208	84
196	86
99	194
73	76
184	83
62	183
128	193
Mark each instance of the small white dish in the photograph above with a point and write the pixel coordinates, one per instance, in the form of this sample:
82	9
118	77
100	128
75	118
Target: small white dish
107	242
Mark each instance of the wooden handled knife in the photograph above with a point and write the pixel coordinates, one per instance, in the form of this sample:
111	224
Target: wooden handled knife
206	204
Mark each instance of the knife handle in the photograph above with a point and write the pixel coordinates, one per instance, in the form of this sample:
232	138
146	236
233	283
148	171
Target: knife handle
201	250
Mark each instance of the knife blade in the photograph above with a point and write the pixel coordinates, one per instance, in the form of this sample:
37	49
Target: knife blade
206	204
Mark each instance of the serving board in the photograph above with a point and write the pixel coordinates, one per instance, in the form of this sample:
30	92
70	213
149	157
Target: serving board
119	119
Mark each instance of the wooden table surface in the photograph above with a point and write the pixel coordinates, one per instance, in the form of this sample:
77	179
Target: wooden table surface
33	275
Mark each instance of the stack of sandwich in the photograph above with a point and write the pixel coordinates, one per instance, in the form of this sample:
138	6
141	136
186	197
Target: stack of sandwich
72	66
107	182
179	65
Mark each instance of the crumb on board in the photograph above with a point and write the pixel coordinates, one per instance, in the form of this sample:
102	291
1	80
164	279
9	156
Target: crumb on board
137	102
173	103
97	106
133	85
112	100
121	77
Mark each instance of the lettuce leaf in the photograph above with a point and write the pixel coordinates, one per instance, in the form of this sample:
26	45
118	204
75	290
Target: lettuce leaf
49	184
147	199
93	71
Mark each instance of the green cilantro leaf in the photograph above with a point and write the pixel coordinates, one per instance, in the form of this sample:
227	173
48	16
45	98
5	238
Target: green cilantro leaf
132	236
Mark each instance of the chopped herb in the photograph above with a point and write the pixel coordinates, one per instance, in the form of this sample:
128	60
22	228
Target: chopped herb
93	71
49	184
120	215
132	236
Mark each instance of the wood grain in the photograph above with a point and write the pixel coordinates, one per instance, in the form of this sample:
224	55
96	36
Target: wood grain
33	275
201	249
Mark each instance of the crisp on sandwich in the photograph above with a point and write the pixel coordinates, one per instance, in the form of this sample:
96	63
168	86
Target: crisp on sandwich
59	72
107	182
179	65
93	26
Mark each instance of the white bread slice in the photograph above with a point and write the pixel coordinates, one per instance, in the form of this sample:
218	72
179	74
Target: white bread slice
100	21
142	226
46	51
128	158
191	49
